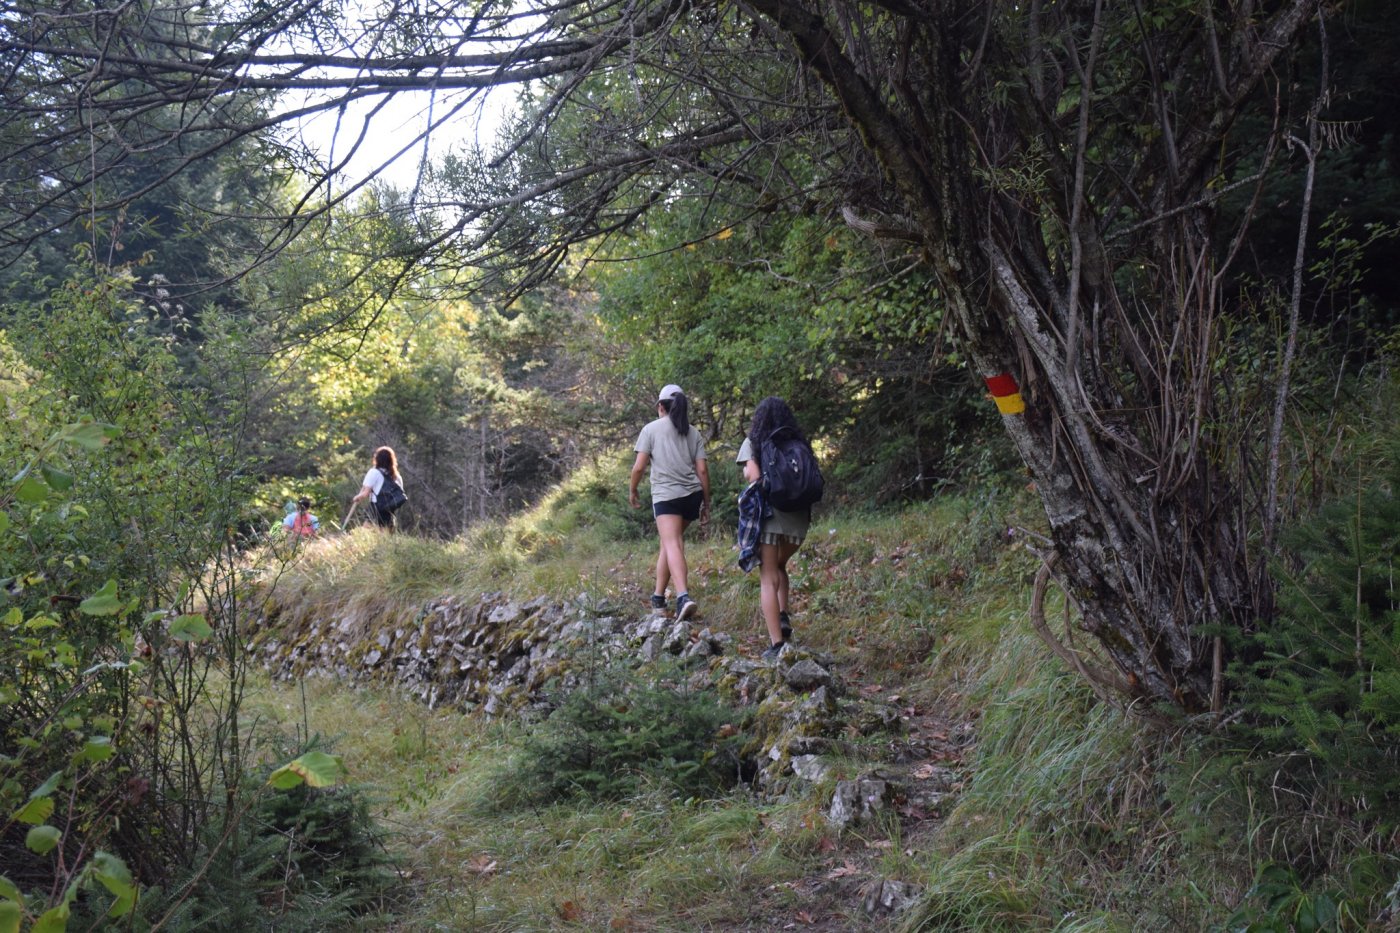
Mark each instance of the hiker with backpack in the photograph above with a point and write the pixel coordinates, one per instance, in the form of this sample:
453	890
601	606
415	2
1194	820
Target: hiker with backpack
775	510
384	489
680	490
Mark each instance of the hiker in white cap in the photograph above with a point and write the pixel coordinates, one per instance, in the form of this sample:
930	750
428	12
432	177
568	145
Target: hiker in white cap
680	490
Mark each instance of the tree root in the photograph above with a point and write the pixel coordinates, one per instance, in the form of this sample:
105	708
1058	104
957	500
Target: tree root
1106	684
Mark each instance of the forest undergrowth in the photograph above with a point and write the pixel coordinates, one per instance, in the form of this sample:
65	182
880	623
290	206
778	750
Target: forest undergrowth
1072	813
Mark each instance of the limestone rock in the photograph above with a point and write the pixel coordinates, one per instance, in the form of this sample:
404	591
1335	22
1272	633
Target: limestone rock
506	614
812	768
890	897
857	801
807	675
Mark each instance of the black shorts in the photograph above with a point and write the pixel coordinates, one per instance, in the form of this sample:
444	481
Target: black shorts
382	518
687	507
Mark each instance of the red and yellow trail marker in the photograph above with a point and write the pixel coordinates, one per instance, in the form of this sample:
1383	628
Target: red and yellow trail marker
1006	394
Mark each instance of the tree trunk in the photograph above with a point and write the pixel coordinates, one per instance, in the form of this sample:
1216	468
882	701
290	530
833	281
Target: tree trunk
1115	403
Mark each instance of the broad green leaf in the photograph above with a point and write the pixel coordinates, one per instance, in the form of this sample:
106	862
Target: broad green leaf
14	617
317	769
113	875
8	695
48	787
4	521
56	478
32	490
8	891
64	654
89	435
97	748
53	921
102	603
35	811
190	628
42	839
10	917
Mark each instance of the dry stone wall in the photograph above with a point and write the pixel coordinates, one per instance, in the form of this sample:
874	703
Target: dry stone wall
506	657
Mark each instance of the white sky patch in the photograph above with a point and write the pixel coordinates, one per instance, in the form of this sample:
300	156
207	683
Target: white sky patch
385	141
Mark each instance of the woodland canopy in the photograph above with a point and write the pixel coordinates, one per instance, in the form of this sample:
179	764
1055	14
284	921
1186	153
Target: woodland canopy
1133	254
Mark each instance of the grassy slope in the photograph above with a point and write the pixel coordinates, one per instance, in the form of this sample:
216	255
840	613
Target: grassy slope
1061	823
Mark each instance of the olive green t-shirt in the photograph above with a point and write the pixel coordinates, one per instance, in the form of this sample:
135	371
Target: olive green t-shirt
672	459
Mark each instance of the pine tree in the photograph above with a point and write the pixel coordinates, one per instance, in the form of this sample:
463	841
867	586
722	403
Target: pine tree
1323	693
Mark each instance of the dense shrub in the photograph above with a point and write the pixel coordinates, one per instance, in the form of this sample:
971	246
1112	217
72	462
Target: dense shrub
302	859
624	731
123	755
1323	692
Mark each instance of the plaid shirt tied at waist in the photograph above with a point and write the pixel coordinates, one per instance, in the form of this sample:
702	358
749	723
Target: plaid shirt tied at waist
753	509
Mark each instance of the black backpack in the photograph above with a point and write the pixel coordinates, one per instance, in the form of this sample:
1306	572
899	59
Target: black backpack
390	496
791	478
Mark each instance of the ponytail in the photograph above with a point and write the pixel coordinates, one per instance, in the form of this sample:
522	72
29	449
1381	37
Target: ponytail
678	410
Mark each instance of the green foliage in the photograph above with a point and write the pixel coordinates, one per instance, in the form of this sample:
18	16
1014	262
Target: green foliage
68	667
805	310
304	859
1322	688
620	733
120	639
329	840
1278	903
313	769
484	407
591	500
592	503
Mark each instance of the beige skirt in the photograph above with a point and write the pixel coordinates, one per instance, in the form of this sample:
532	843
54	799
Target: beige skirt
776	539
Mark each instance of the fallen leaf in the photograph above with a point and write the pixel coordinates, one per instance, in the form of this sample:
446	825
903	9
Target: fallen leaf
924	772
570	912
483	865
879	844
827	844
842	872
806	917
